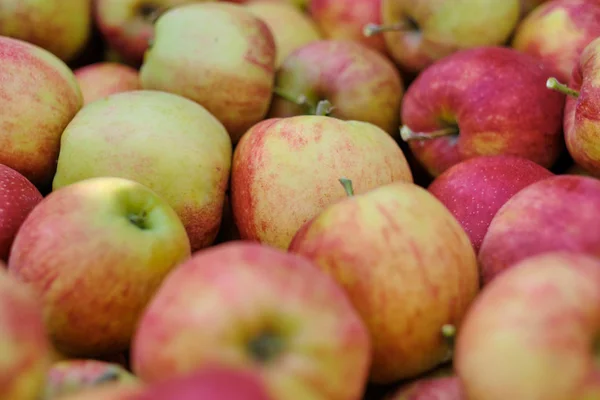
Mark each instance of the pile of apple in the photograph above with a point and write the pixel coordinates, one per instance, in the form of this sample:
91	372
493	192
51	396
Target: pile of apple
300	200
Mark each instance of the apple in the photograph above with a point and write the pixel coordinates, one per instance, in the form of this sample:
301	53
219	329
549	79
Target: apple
170	144
528	6
95	252
556	213
291	28
109	391
537	325
557	32
418	33
501	106
18	196
345	19
255	307
44	97
228	47
101	79
128	25
581	129
359	82
61	27
285	171
438	388
77	375
407	266
475	189
24	346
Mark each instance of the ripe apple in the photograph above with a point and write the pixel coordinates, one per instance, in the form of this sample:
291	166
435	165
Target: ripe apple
557	32
528	6
291	28
110	391
581	128
407	266
128	25
44	97
556	213
438	388
101	79
475	189
537	325
286	170
418	33
345	19
95	251
500	106
61	27
18	196
360	83
24	347
164	141
252	306
229	48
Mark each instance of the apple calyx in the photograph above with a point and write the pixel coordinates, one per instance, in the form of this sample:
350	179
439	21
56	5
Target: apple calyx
408	134
554	84
449	337
347	184
139	219
266	347
407	24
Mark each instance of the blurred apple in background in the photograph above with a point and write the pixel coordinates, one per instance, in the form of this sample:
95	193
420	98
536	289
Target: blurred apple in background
576	169
110	391
475	189
557	32
418	33
285	171
101	79
359	82
250	306
95	252
528	6
346	19
501	106
61	27
291	28
164	141
438	388
556	213
24	347
18	196
533	332
218	54
44	97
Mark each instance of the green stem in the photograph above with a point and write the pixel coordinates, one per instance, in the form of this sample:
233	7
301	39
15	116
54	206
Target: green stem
554	84
408	135
347	184
324	108
375	29
299	100
449	337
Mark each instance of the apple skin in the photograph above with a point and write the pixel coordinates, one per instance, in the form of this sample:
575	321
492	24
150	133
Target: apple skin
582	130
286	170
101	79
128	25
345	19
556	213
18	196
475	189
164	141
557	32
438	388
278	315
61	27
44	97
528	6
110	391
487	105
407	266
24	347
449	26
360	83
237	84
291	28
537	325
92	267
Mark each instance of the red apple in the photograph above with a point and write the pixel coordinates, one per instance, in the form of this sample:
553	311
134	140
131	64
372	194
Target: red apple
18	196
254	307
533	332
557	213
557	32
475	189
483	101
438	388
101	79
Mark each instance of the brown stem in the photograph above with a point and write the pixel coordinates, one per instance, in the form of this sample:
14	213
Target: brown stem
347	184
408	135
375	29
554	84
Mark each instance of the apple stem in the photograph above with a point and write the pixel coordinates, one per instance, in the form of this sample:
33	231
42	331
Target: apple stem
408	135
374	29
449	336
554	84
108	376
347	184
324	108
299	100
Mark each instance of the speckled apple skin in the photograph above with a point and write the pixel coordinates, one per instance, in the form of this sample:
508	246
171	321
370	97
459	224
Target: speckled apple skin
102	79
